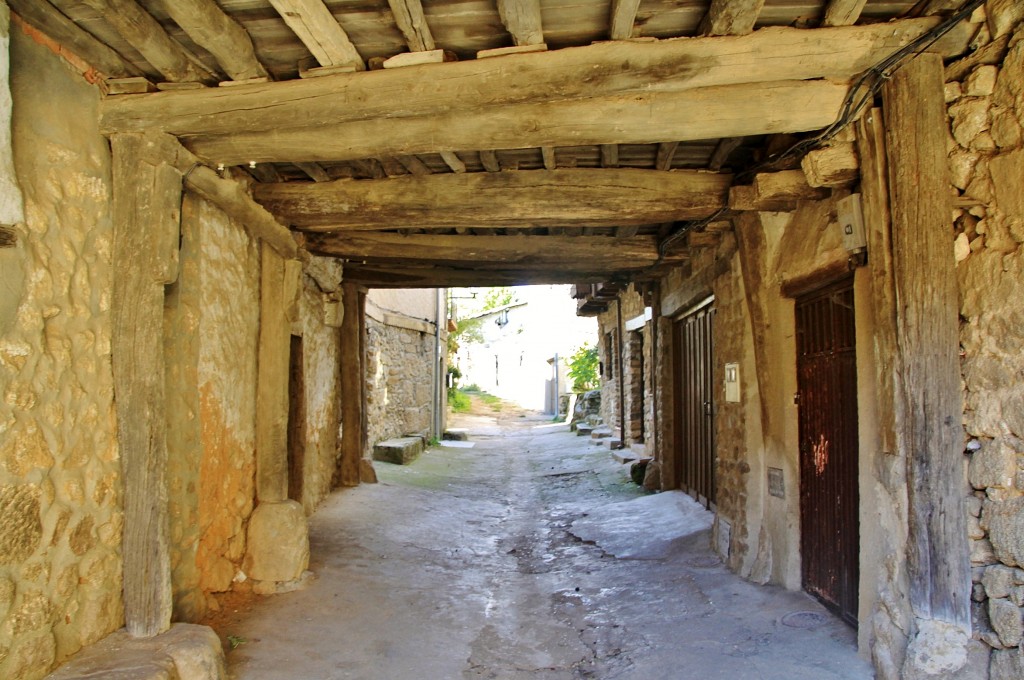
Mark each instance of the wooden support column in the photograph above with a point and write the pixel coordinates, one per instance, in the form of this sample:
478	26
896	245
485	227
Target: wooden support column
352	380
147	200
272	379
928	409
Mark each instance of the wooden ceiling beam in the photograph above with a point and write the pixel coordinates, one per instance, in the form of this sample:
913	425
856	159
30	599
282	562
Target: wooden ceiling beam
623	18
45	17
730	111
413	24
522	19
843	12
529	198
145	34
220	35
320	32
498	252
449	277
592	71
731	17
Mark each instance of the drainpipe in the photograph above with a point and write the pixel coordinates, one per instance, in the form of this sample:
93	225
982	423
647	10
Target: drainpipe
622	382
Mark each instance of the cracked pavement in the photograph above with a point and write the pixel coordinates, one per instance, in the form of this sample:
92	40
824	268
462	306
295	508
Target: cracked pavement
507	561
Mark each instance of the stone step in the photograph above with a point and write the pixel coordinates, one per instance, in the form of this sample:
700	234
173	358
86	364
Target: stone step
584	429
601	433
401	451
623	455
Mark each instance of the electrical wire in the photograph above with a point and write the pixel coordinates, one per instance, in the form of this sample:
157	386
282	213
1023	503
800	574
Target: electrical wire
862	92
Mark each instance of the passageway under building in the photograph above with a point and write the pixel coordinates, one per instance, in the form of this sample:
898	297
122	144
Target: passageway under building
226	232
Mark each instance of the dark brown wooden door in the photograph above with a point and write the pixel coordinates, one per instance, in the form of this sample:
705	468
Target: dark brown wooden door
829	498
695	431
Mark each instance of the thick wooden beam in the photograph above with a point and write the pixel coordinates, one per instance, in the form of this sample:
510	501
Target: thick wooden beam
41	15
376	276
929	431
497	252
272	380
843	12
351	380
538	198
146	207
522	20
320	32
145	34
220	35
770	54
413	24
731	17
728	111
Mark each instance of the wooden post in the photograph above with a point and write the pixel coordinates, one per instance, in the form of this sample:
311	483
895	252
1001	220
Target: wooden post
147	200
352	380
669	394
927	396
272	380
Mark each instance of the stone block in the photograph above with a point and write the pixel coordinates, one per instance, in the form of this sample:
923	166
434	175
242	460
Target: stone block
278	542
184	651
400	451
1005	521
998	580
1006	621
584	429
600	433
993	465
1007	664
20	525
1007	171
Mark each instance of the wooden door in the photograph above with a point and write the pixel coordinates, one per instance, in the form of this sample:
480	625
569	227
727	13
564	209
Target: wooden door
694	412
829	497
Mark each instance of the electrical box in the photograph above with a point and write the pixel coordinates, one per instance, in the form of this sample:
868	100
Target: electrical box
732	382
851	223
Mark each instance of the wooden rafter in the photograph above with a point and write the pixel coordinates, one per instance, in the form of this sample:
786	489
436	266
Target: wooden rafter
314	171
146	35
843	12
320	32
413	24
43	16
666	150
548	155
565	197
609	155
522	20
623	17
731	111
220	35
452	160
489	160
731	17
767	55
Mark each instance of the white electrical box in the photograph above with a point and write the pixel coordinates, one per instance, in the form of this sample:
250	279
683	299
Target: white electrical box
851	223
732	382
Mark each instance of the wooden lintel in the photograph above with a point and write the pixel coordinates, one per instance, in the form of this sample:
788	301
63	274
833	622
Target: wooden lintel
145	34
319	31
413	24
522	20
768	55
727	111
731	17
563	197
223	37
446	277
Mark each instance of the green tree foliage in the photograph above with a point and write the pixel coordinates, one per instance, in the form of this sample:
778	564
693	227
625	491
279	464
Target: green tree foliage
583	365
498	297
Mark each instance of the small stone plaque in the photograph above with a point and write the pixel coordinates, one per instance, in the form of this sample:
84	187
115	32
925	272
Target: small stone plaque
776	483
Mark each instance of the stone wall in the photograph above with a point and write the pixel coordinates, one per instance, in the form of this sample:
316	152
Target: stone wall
60	515
986	109
614	349
399	376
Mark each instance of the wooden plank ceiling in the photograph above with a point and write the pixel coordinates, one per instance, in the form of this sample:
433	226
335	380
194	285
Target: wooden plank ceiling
452	142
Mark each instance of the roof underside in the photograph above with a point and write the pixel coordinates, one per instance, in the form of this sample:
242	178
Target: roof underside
380	201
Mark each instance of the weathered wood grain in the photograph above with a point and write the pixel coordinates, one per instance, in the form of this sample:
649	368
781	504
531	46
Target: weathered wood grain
548	155
564	197
314	171
413	24
452	160
831	166
352	378
928	424
489	160
220	35
147	199
728	111
320	32
666	151
146	35
522	20
771	54
623	17
405	276
731	17
43	16
272	380
843	12
609	155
